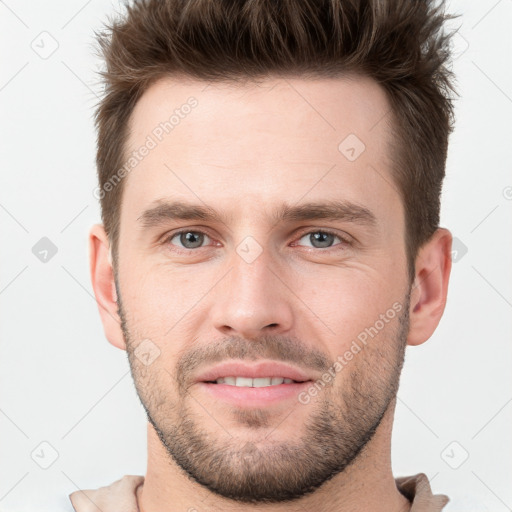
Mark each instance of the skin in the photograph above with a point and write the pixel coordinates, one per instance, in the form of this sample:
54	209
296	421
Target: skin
244	150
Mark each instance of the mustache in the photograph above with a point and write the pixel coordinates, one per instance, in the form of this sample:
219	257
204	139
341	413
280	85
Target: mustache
275	348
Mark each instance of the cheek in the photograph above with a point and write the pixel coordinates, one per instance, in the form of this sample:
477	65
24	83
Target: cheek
156	387
350	301
337	302
160	299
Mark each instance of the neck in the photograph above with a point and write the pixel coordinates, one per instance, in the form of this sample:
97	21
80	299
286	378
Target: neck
367	484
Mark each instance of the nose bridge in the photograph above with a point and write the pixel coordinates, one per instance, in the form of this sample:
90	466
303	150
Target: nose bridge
251	297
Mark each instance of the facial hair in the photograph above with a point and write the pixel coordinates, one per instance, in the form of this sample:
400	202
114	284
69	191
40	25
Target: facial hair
342	421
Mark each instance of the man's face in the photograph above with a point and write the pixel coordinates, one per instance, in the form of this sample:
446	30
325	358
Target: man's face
268	280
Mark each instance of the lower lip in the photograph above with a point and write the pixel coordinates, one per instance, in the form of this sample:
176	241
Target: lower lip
255	397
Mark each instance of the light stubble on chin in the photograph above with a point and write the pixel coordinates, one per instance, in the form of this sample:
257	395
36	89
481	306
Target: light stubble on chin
342	420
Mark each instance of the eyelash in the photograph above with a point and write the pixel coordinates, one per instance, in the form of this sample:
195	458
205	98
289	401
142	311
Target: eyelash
344	241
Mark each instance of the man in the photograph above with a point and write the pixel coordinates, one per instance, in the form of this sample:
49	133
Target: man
269	176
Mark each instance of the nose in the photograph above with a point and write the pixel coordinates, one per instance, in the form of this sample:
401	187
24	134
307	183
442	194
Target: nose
252	299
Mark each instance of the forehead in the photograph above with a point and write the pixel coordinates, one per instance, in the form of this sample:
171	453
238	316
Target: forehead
306	108
282	138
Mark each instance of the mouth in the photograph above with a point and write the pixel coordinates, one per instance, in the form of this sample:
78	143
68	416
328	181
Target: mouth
262	385
258	382
261	374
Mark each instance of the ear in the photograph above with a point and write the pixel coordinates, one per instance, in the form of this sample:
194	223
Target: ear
430	288
102	276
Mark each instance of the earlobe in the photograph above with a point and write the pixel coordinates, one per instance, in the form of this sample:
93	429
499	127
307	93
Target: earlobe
102	277
430	287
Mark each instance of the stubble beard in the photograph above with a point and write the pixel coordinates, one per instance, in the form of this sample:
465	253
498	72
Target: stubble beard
344	419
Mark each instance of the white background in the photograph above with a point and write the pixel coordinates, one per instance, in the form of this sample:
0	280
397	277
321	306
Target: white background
63	384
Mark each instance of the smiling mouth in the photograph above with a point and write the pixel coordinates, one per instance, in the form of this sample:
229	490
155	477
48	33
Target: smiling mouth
258	382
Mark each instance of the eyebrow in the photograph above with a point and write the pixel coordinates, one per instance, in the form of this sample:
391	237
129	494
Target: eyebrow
165	211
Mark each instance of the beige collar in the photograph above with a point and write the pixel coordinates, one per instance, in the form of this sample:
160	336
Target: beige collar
121	496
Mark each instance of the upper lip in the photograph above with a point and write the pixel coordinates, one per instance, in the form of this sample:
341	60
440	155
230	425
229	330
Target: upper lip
262	369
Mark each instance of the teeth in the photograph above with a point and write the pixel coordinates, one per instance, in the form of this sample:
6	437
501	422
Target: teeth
243	382
258	382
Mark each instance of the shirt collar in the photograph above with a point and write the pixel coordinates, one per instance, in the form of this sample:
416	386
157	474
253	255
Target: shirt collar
122	495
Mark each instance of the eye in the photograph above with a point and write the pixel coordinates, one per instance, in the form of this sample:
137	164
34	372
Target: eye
188	239
322	239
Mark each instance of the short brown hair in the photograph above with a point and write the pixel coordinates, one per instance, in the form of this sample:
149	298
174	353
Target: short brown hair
401	44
